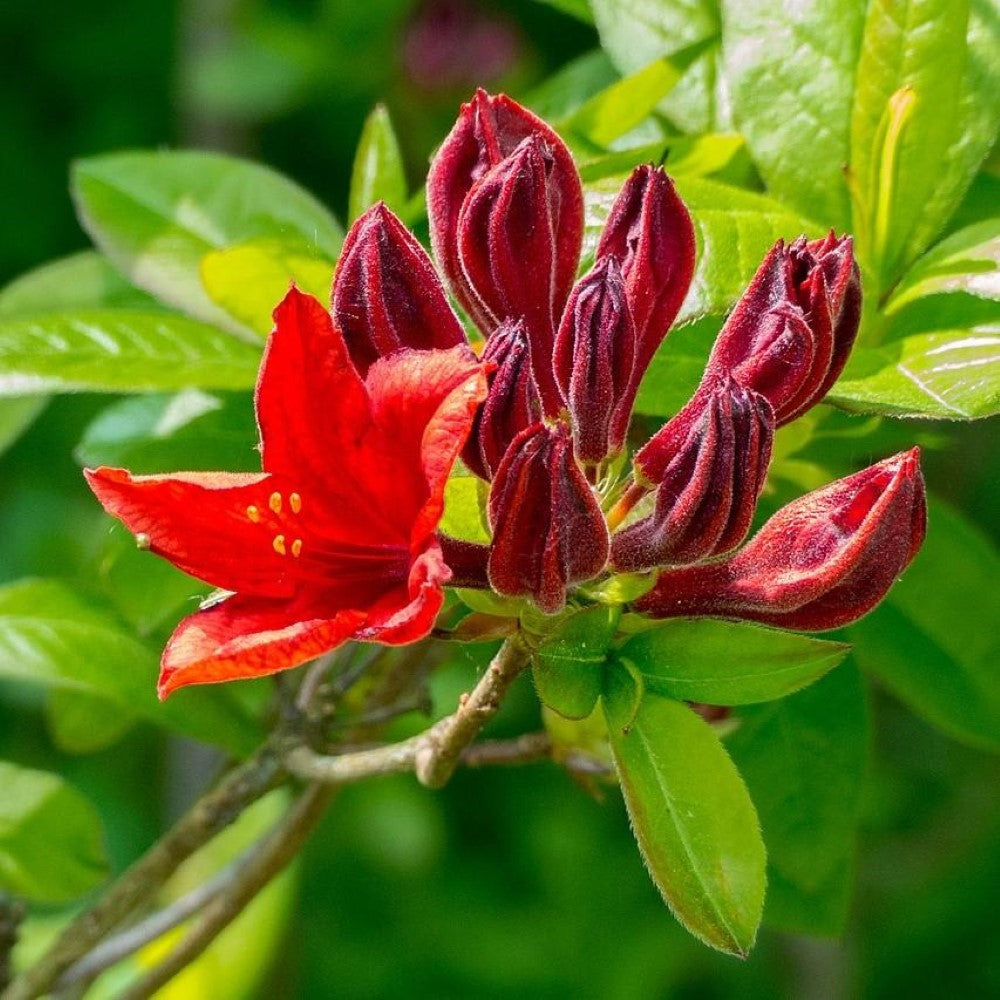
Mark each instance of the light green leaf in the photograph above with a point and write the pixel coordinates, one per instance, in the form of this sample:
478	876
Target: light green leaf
734	229
933	642
378	173
909	87
250	279
51	636
803	759
728	663
119	350
568	669
948	374
565	90
157	214
791	76
51	841
464	505
694	821
622	106
85	280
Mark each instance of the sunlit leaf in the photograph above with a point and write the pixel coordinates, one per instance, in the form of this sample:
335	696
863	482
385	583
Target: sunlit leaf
378	173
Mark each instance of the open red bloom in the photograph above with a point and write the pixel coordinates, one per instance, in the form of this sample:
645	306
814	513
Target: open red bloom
336	538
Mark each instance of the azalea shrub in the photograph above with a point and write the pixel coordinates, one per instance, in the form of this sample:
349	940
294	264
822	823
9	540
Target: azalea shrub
606	416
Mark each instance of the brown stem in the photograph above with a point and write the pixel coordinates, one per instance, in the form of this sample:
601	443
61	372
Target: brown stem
11	914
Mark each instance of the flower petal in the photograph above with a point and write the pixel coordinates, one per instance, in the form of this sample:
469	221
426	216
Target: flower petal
216	526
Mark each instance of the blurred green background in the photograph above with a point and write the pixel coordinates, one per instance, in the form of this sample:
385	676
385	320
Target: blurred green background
507	883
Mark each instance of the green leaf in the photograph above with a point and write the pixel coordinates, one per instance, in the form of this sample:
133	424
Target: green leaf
83	723
728	663
693	818
571	85
378	174
51	841
464	503
568	669
948	374
51	636
158	214
803	759
17	414
635	32
933	642
580	9
909	88
966	262
734	229
677	368
190	430
250	279
85	280
117	350
622	106
791	79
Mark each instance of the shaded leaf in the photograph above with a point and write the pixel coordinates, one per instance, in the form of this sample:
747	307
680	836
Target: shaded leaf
83	723
51	842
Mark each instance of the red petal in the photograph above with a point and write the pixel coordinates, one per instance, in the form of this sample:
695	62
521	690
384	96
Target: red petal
214	525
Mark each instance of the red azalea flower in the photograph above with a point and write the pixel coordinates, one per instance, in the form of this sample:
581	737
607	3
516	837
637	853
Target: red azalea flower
336	538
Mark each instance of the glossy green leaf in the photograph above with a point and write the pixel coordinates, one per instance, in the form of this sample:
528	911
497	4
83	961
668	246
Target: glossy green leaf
932	642
728	663
250	279
635	32
568	669
734	229
157	214
51	841
803	759
948	374
792	78
622	106
82	723
191	430
119	350
84	280
571	85
378	173
909	87
693	818
464	507
51	636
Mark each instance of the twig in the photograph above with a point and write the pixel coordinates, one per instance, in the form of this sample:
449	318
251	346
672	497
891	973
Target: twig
11	915
212	813
524	749
255	870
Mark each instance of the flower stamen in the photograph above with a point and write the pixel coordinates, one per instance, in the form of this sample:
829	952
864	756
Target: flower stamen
279	544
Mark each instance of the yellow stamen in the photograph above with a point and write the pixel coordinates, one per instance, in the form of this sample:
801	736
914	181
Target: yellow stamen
297	547
279	544
275	503
253	514
295	502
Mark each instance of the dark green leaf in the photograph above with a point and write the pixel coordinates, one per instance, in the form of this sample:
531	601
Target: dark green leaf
728	663
17	414
568	669
51	842
158	214
115	350
580	9
803	759
933	642
792	78
693	819
83	723
51	636
378	173
677	368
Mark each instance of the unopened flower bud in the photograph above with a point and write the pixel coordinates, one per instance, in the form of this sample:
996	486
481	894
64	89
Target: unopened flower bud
488	130
548	529
386	293
819	563
707	495
791	332
593	361
511	405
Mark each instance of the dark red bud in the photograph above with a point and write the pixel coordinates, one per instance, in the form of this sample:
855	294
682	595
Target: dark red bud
511	404
386	293
593	360
649	230
791	332
488	130
548	529
819	563
706	498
